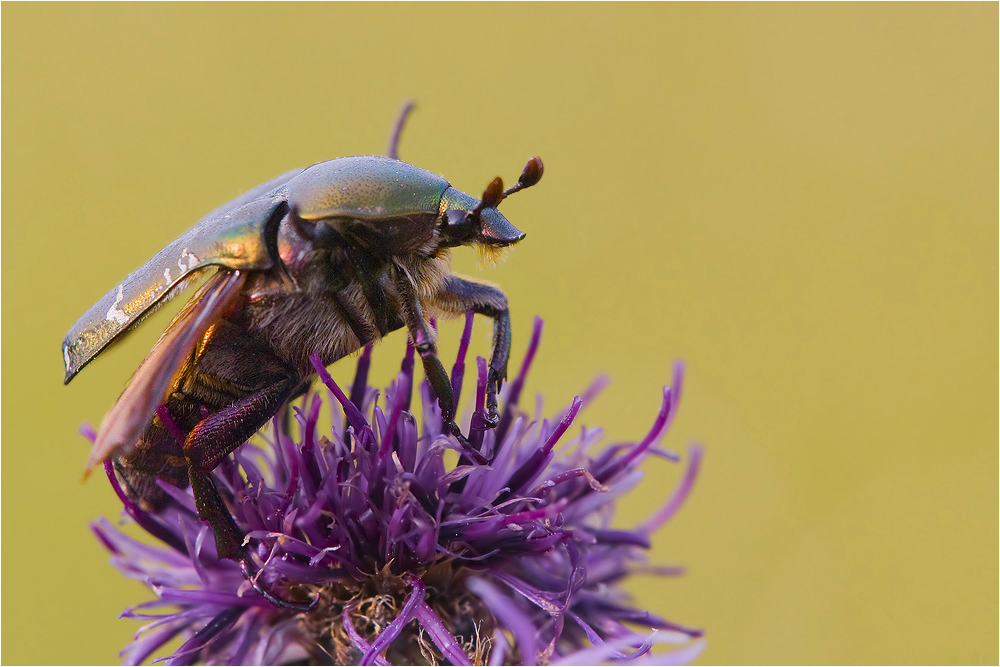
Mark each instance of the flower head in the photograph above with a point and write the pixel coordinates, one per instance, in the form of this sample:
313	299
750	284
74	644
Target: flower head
404	557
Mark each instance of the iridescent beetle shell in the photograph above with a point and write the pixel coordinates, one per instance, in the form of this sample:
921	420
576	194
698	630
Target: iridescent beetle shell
235	235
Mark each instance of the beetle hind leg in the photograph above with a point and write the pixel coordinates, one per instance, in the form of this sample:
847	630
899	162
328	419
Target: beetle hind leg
212	440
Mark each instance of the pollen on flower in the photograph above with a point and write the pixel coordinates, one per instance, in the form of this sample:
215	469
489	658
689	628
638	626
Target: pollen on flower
405	558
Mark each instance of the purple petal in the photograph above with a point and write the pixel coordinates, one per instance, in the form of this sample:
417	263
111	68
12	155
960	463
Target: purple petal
358	640
361	378
354	416
601	652
514	395
87	431
144	646
539	459
509	616
499	648
545	600
244	642
477	424
662	515
221	622
439	634
458	370
140	516
392	630
228	599
682	656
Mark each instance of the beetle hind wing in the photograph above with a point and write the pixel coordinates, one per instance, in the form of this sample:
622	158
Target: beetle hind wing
125	423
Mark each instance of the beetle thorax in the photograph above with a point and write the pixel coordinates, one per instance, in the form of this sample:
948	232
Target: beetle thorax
334	301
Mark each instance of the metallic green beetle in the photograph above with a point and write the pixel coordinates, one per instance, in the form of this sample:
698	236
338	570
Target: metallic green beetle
321	260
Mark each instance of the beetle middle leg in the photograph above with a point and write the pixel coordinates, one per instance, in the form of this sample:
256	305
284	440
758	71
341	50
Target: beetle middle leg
459	295
425	342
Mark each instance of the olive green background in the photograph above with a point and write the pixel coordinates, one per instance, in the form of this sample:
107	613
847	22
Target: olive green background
799	201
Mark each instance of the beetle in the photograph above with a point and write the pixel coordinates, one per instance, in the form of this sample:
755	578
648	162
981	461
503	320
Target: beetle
325	260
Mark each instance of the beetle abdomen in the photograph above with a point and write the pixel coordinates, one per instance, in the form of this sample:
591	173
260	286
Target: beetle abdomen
228	365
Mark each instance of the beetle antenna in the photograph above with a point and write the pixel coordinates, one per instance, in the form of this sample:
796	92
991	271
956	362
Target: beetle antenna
494	192
393	151
492	196
530	176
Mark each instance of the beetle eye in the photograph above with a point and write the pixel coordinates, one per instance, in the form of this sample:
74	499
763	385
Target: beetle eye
458	221
454	218
457	225
320	233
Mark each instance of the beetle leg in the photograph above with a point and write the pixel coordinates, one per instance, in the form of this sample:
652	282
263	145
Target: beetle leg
250	574
212	440
459	295
425	341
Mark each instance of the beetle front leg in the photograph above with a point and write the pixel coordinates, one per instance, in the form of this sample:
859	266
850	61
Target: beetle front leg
459	295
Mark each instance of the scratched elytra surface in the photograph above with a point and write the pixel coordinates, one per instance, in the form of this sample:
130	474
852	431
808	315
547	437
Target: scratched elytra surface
799	201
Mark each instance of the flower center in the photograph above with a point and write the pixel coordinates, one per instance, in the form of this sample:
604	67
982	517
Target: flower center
366	608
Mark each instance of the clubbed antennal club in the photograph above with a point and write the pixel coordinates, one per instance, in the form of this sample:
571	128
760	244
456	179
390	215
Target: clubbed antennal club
530	176
492	196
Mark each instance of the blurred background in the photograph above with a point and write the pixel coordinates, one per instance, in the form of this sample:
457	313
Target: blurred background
798	201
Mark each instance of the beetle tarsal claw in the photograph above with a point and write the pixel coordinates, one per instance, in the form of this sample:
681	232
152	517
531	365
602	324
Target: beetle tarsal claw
467	447
251	574
491	419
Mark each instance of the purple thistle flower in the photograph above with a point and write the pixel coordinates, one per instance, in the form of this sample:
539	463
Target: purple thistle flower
405	558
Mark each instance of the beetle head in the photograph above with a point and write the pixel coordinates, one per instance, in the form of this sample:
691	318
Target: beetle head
466	221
